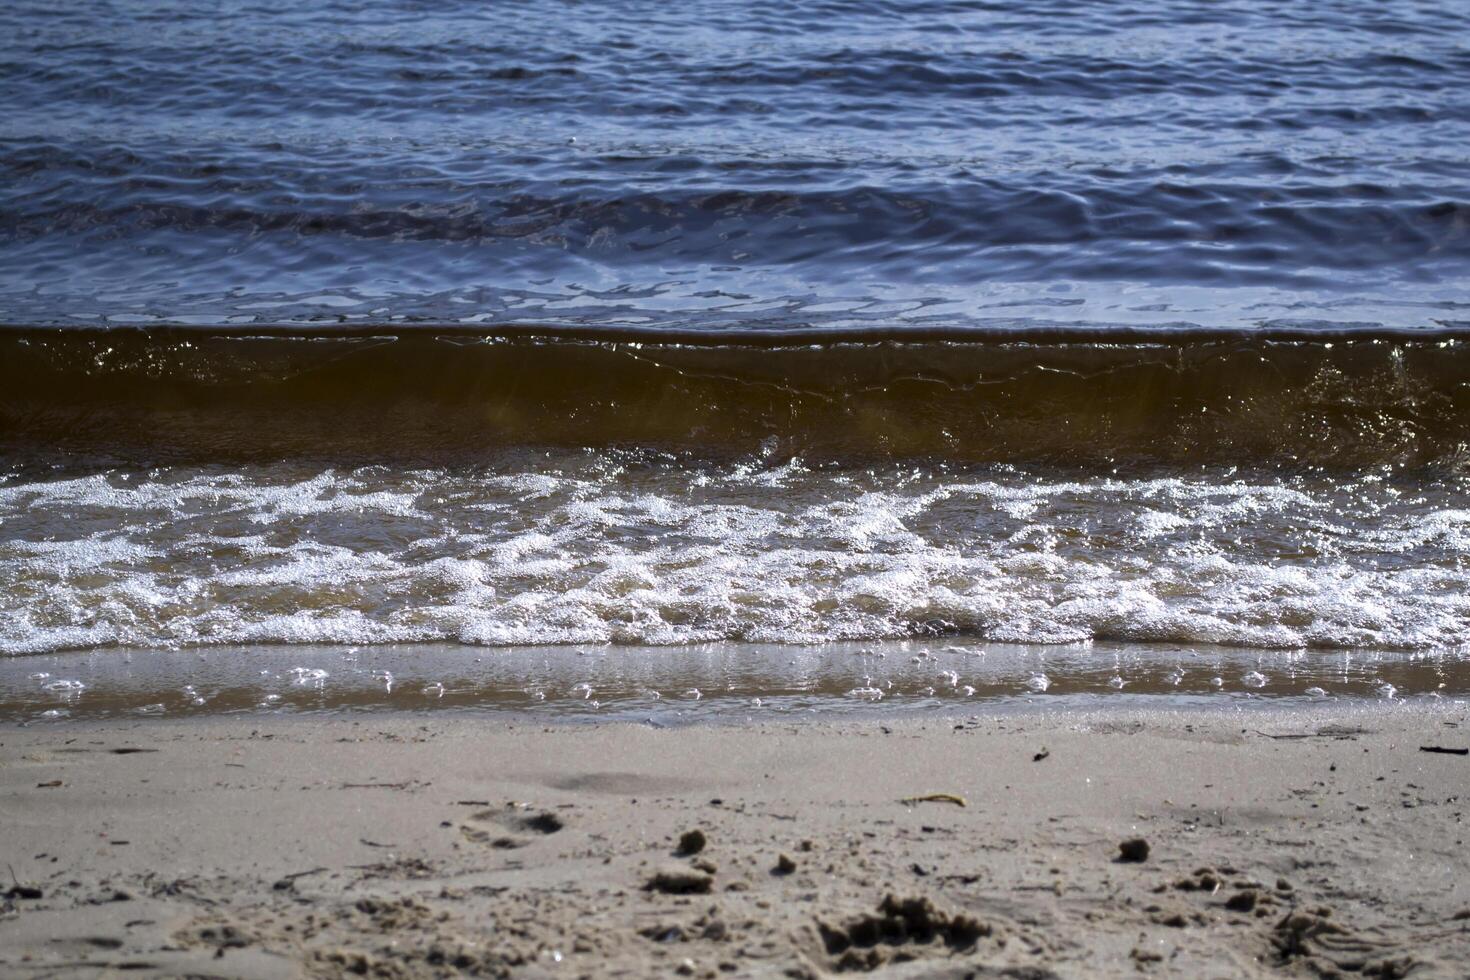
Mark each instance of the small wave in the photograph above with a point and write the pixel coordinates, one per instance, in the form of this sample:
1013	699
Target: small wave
1149	225
360	393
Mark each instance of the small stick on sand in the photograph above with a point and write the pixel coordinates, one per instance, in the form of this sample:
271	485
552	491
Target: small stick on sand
1443	749
934	798
302	874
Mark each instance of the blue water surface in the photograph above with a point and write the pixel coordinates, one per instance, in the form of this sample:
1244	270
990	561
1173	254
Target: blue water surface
708	164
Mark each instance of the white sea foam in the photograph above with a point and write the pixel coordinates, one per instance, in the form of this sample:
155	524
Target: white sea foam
574	549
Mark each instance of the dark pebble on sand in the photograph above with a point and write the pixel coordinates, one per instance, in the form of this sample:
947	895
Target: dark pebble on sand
784	865
1133	850
692	841
1241	901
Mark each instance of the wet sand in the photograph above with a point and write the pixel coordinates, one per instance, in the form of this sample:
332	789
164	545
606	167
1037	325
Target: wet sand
1291	842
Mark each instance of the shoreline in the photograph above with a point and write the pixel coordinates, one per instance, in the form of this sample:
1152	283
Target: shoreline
698	683
1305	842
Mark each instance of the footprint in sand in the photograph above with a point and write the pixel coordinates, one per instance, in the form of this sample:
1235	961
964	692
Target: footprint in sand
1331	946
511	827
902	930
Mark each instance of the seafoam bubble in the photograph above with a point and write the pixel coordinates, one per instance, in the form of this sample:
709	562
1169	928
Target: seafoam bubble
435	690
1315	692
866	693
1174	677
967	691
65	688
583	689
951	677
51	714
1038	683
1387	690
150	709
694	693
304	676
1116	682
1217	682
40	675
1254	679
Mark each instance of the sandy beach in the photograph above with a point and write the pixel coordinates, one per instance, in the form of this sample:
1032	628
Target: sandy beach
1279	843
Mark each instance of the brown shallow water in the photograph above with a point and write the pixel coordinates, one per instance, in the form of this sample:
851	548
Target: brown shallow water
726	681
447	395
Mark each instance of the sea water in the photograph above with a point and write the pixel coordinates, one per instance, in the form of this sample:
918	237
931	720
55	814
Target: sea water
738	343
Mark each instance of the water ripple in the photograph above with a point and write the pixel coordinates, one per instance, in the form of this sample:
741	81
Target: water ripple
171	163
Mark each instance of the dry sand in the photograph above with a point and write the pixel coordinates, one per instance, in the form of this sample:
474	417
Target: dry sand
437	845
